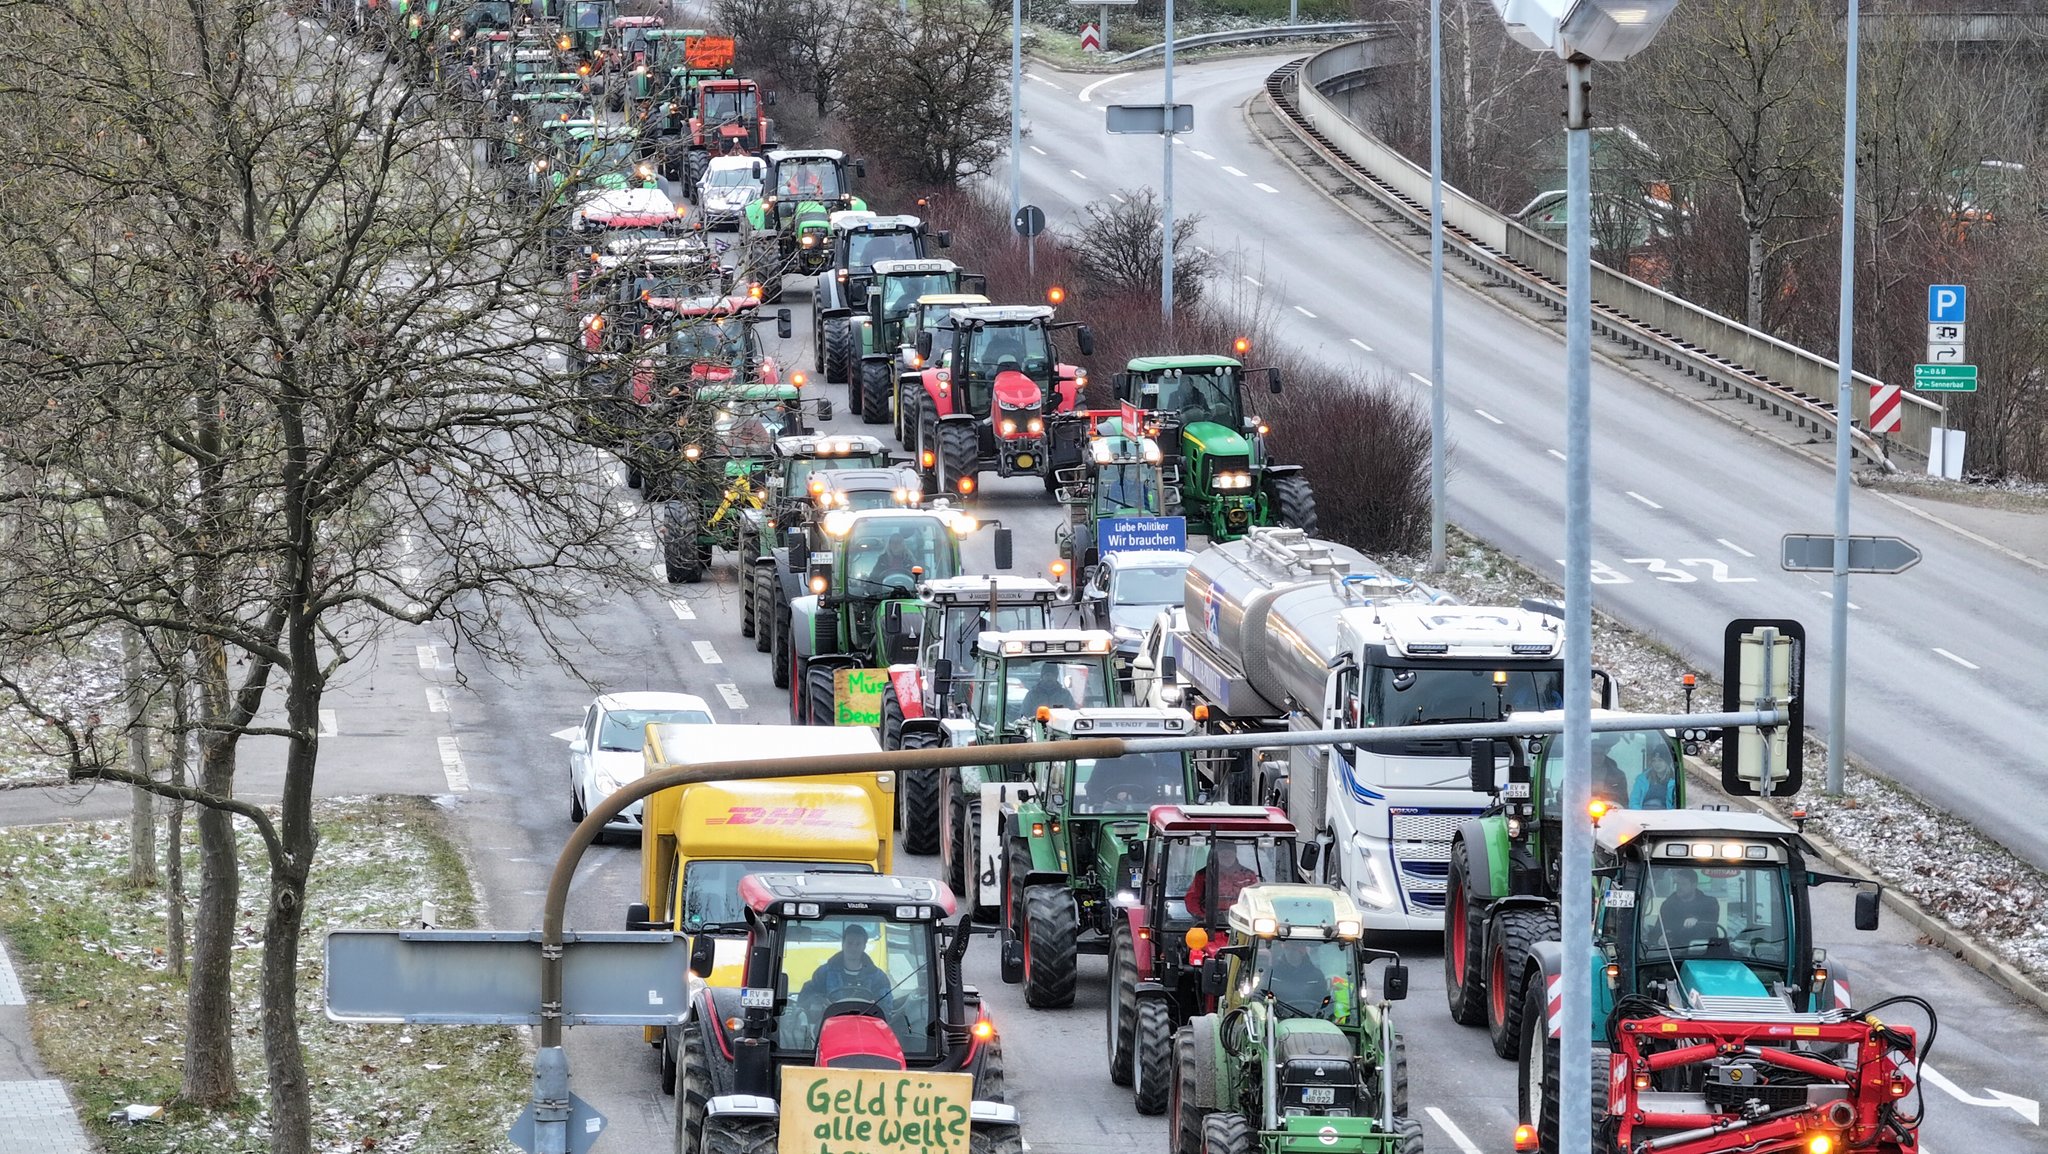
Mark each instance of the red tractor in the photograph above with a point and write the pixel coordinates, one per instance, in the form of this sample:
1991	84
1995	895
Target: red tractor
731	117
990	386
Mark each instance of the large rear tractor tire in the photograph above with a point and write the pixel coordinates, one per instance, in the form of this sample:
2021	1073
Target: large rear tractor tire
1464	932
1293	502
1152	1056
818	704
988	1072
1227	1134
764	612
682	560
1051	923
1193	1094
873	403
892	725
842	358
919	794
739	1136
1537	1079
1514	932
779	661
695	1091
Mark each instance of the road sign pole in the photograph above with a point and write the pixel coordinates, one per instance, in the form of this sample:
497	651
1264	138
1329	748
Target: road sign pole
551	1095
1031	257
1166	187
1575	1068
1438	474
1845	371
1770	648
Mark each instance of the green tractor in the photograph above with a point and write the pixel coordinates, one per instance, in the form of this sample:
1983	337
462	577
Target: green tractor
1010	678
1195	406
1072	841
790	227
925	316
707	479
1295	1057
791	486
858	240
1501	895
1119	476
877	336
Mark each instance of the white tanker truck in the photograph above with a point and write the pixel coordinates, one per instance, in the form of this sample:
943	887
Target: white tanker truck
1285	632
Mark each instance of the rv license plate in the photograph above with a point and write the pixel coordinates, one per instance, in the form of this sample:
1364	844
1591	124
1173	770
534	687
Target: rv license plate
758	997
1318	1095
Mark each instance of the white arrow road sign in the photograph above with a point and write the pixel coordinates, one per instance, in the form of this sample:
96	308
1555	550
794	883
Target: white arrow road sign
1997	1099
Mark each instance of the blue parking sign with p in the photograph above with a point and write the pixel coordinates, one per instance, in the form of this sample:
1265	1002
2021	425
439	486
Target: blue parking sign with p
1946	304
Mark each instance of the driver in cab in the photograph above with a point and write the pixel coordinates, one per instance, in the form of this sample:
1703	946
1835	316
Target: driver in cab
849	975
895	560
1295	981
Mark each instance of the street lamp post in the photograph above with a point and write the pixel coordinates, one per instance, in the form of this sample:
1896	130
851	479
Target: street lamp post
1845	374
1166	187
1437	418
1579	32
1016	107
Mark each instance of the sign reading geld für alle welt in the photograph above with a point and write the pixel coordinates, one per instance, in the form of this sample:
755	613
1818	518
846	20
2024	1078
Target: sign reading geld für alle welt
874	1112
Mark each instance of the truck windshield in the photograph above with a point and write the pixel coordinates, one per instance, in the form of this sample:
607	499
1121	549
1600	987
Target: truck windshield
711	889
1131	784
843	958
1712	910
1430	695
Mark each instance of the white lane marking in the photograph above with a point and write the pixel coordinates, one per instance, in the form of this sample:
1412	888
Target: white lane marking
1490	416
1044	81
437	699
733	700
1233	171
1643	499
1116	198
1451	1130
430	656
1304	312
1555	453
659	570
1078	174
330	726
1036	149
1200	153
1256	283
1088	93
681	609
1264	186
643	540
1830	595
1957	660
1734	546
1998	1099
706	653
1422	380
451	765
1361	344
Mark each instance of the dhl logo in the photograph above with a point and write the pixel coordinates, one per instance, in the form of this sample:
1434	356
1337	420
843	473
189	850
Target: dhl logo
785	815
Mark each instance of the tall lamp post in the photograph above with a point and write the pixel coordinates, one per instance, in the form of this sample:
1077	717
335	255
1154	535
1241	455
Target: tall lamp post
1579	32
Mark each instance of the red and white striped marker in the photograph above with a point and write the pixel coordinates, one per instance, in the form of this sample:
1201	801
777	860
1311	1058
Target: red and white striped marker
1091	38
1884	409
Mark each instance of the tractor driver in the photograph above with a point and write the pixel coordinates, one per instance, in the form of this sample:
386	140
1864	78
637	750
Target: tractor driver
1688	915
1047	691
1239	870
895	560
1294	979
849	975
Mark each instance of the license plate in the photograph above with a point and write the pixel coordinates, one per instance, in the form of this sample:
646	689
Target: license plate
758	997
1318	1095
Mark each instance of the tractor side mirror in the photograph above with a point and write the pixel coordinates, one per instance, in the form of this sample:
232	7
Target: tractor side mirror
799	548
1084	337
924	346
1273	381
1215	978
942	677
1394	987
703	951
758	170
782	324
1311	857
892	619
769	100
945	238
860	167
1005	549
1483	772
1866	909
974	282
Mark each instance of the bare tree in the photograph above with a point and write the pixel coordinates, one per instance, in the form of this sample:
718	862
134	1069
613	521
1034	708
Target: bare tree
931	87
1117	248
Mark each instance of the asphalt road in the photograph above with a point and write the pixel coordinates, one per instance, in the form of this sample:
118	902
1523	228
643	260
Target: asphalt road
1947	694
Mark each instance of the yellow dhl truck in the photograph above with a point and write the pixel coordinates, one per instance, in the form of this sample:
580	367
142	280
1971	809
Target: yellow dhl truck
698	841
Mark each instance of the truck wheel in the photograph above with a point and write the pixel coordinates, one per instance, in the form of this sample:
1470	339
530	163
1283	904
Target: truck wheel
681	556
739	1136
1050	925
696	1091
873	406
1292	502
779	660
764	613
1513	932
818	705
1122	1003
918	793
1194	1094
842	359
1152	1055
988	1072
958	446
1226	1134
1464	980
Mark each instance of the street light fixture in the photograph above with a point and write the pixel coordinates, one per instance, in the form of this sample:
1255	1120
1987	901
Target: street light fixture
1579	32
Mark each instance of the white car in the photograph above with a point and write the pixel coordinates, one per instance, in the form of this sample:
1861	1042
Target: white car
605	751
1147	686
1129	590
727	187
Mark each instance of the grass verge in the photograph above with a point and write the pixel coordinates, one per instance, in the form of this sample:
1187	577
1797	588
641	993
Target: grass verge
108	1015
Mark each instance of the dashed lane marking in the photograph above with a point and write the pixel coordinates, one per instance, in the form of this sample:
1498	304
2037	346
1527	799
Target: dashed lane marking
1555	453
452	767
706	653
429	655
1422	380
1957	660
1256	283
733	700
437	699
1734	546
1361	344
1830	595
1200	153
1233	171
1036	149
1078	174
1259	184
1490	416
1304	312
681	609
1643	499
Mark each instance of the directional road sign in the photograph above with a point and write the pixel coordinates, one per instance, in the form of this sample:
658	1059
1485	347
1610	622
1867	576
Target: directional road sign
1947	303
1945	378
1949	353
1815	553
585	1124
1150	119
1030	220
492	977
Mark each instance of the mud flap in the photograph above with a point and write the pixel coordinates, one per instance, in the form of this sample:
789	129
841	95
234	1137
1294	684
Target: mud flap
995	796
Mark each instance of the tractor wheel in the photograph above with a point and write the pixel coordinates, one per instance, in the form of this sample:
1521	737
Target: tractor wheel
1407	1135
1016	864
1152	1055
693	171
919	794
1008	1140
1050	925
1538	1078
748	550
670	1041
739	1136
1122	1003
988	1072
958	445
892	726
1227	1134
681	557
873	405
968	857
1514	932
695	1093
1194	1094
842	358
1464	933
779	659
818	705
764	612
1399	1059
1293	503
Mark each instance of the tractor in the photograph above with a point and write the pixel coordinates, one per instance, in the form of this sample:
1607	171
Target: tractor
1197	860
705	472
1501	893
1294	1057
1195	407
925	314
791	485
791	1013
789	227
730	116
1718	1025
695	342
857	240
1072	840
1015	676
1119	476
989	386
877	338
684	59
870	558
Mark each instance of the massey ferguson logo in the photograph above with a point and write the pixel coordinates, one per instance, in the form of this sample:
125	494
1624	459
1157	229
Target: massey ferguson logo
783	815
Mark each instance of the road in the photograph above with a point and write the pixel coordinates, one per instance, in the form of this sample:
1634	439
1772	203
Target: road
1946	692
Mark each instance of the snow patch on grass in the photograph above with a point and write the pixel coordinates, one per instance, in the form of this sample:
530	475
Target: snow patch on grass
74	685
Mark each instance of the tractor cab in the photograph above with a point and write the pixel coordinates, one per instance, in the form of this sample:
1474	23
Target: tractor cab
713	338
991	381
585	23
1195	406
884	553
483	16
890	487
860	239
804	188
1118	476
1018	673
603	156
802	465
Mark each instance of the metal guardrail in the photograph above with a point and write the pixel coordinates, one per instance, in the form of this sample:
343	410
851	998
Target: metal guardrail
1248	35
1774	375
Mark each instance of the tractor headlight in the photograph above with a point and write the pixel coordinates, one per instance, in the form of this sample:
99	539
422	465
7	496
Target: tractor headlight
1233	480
692	452
1009	428
1034	426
